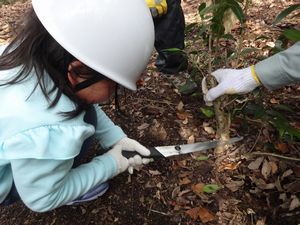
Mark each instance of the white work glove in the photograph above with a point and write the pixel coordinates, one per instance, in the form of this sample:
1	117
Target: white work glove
233	81
129	145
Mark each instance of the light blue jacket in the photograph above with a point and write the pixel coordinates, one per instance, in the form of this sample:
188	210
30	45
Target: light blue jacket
38	146
280	69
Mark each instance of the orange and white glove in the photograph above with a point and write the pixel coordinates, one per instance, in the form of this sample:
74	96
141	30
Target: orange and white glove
158	8
233	81
129	145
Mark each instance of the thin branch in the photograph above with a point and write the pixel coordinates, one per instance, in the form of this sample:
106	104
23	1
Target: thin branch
156	101
259	133
162	213
276	155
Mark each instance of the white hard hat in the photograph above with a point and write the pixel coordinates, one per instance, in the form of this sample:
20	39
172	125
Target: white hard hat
113	37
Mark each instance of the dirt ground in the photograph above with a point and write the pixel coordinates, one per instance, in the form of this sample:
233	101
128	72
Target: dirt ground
253	189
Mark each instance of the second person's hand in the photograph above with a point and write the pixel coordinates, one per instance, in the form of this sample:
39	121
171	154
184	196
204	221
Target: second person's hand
233	81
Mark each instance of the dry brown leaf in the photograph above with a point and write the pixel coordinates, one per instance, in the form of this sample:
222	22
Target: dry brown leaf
230	166
193	213
209	130
143	126
186	121
185	133
191	139
283	197
261	222
295	203
274	101
182	163
296	170
256	164
198	188
282	147
159	185
296	124
154	172
235	185
183	201
269	186
287	173
261	184
158	131
175	192
274	167
184	174
183	192
182	115
184	181
140	82
266	169
180	106
205	215
293	187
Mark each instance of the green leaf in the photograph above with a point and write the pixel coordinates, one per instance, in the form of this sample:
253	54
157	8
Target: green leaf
207	111
211	188
202	158
190	27
202	30
278	46
285	13
293	132
277	115
209	9
263	37
292	34
237	10
257	111
246	51
283	108
201	8
218	29
232	56
173	50
228	37
189	87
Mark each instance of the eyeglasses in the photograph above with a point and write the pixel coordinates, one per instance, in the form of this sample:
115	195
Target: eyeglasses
92	76
87	83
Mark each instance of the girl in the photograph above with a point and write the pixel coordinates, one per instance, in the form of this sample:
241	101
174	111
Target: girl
68	56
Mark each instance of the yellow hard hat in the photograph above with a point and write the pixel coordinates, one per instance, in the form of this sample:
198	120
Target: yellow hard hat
113	37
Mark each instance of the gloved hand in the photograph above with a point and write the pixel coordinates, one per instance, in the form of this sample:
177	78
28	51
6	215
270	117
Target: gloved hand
233	81
129	145
157	7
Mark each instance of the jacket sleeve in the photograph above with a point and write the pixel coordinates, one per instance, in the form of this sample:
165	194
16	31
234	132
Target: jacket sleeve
45	184
106	131
280	69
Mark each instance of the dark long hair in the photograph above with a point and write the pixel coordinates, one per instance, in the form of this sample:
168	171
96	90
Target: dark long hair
34	48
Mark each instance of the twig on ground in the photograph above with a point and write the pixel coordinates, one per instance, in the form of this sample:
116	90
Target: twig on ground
276	155
259	133
162	213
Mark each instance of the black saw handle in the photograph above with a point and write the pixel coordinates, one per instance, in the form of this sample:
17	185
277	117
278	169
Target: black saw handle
154	153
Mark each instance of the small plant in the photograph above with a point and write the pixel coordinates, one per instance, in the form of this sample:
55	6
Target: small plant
218	19
288	35
275	115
